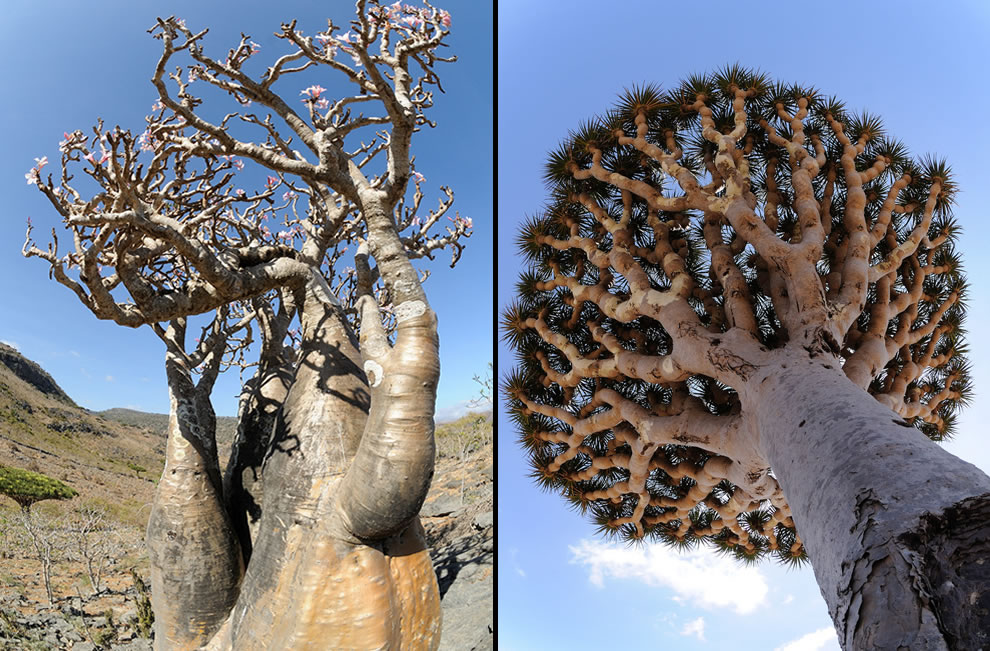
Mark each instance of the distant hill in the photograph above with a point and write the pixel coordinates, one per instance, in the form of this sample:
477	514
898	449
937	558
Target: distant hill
42	429
32	373
158	424
113	455
113	458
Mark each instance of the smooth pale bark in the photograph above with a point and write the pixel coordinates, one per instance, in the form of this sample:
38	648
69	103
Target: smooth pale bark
388	480
893	524
196	563
311	584
321	419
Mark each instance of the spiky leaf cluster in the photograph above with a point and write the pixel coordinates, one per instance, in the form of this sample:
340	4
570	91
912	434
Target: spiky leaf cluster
26	487
621	184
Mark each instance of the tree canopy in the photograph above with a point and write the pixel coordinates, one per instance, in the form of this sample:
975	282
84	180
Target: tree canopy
689	233
27	488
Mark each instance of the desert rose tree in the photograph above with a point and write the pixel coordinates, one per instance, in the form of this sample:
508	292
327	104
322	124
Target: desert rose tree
742	326
310	538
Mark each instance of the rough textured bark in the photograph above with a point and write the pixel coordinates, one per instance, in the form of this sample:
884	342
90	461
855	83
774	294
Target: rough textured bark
900	558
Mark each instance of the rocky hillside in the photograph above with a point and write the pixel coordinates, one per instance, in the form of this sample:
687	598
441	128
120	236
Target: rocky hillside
113	459
31	373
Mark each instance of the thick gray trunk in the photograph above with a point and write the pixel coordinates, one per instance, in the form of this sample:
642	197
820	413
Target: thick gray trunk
895	526
317	433
196	562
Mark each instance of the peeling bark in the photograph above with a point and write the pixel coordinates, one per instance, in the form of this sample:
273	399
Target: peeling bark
892	522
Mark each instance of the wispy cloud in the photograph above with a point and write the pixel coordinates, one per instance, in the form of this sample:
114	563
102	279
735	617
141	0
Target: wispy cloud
824	639
513	553
695	627
697	576
456	411
109	378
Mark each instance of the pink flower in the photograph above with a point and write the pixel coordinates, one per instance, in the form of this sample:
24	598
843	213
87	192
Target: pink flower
104	157
255	47
144	141
284	235
445	18
271	181
322	103
313	92
236	162
289	195
240	193
419	177
416	221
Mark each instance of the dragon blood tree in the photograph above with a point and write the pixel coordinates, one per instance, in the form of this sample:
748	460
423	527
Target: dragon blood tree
742	325
310	536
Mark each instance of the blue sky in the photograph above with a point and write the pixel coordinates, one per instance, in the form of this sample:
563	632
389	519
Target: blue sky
921	69
65	63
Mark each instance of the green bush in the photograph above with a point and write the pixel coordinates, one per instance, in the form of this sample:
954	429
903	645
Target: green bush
145	616
26	487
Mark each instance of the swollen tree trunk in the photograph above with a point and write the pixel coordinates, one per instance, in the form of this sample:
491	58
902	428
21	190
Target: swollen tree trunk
243	488
290	598
196	563
894	525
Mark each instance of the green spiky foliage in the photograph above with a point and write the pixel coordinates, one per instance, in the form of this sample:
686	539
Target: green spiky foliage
26	487
565	248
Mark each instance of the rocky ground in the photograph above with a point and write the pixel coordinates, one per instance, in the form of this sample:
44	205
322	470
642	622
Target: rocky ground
459	520
458	517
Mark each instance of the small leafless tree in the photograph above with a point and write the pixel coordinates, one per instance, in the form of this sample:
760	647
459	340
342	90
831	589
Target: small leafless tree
47	540
485	392
94	540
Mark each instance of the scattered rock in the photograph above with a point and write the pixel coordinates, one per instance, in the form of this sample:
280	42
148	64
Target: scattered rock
484	520
442	505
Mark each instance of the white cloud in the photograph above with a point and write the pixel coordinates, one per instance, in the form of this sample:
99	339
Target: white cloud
788	599
109	378
695	627
12	344
451	412
699	576
824	639
74	353
513	553
454	412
